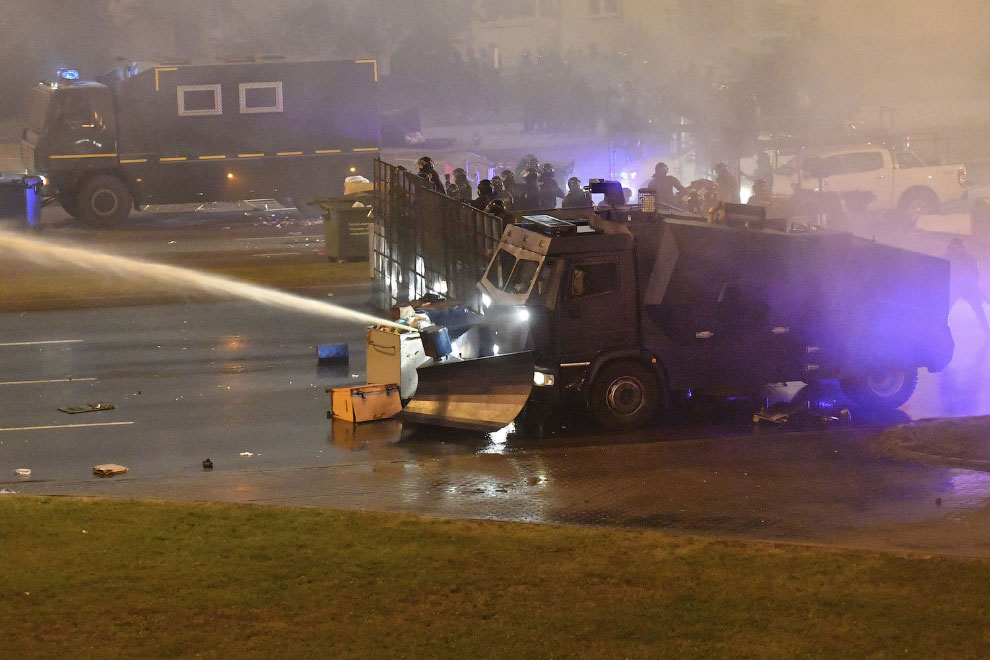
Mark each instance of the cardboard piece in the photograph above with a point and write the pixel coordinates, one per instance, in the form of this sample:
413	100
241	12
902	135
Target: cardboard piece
109	469
364	403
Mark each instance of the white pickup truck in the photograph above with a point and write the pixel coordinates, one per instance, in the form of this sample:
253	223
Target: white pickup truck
876	178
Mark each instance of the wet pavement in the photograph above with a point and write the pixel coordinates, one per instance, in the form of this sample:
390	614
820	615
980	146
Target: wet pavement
822	488
215	380
221	379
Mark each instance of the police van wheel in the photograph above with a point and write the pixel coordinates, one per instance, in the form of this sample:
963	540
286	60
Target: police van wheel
882	388
104	200
625	395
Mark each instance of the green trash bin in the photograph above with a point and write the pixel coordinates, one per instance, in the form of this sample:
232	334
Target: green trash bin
347	228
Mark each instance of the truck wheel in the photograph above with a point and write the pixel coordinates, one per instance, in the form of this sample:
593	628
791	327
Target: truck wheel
103	199
919	201
67	200
881	388
624	395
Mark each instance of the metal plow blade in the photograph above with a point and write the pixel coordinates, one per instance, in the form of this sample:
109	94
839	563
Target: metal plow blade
481	395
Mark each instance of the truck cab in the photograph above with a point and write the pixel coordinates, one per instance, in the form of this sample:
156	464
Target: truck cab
70	136
568	293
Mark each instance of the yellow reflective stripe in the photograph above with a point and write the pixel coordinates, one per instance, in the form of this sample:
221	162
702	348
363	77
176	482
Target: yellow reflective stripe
172	159
367	149
250	155
84	156
169	68
374	62
290	153
327	151
134	160
211	157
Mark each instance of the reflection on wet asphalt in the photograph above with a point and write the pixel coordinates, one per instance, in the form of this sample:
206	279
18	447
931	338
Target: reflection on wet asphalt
216	379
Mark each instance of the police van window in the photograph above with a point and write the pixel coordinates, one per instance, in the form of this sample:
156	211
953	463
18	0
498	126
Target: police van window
260	97
593	279
863	161
522	276
501	268
199	100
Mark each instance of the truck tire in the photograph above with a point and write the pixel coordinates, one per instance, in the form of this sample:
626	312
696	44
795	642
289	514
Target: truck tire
882	388
67	200
104	200
625	395
917	201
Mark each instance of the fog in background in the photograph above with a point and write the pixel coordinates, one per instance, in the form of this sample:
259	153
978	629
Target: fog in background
622	67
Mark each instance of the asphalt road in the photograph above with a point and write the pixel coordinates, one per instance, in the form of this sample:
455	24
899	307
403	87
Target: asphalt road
220	379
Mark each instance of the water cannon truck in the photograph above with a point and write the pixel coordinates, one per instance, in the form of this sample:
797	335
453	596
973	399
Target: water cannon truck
617	314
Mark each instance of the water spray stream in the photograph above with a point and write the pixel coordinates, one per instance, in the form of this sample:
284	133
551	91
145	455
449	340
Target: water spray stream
175	277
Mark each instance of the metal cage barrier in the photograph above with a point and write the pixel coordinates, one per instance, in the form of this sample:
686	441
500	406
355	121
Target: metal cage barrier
427	242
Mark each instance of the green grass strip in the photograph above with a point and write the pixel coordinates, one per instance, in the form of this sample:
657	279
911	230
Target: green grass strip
85	578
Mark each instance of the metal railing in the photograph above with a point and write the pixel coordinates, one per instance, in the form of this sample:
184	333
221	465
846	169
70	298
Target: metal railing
426	242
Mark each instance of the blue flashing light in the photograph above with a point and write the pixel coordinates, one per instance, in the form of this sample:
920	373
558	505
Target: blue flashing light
67	74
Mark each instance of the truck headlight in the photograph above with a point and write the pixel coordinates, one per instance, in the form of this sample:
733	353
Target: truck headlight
541	379
522	314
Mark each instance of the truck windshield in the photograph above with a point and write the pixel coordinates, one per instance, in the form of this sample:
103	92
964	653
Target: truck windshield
512	275
38	109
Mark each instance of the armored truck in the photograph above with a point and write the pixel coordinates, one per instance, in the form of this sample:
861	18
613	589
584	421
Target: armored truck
618	313
178	132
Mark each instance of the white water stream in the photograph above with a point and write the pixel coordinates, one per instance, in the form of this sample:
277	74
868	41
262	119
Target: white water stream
47	253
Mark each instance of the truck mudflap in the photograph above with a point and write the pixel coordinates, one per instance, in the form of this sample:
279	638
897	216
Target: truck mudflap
483	394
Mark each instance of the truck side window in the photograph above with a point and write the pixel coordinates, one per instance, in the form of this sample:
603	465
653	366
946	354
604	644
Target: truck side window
199	100
863	161
260	97
76	110
907	159
593	279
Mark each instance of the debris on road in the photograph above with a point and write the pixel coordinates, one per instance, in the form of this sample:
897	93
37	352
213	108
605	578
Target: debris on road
207	464
109	469
89	407
7	491
363	403
332	354
23	472
803	413
246	454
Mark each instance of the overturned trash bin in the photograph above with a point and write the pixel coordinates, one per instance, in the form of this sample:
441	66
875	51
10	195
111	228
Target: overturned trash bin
364	403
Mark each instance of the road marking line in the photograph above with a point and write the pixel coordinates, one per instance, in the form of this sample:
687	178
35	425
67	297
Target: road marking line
37	343
83	156
59	426
52	380
309	238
